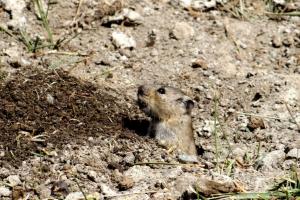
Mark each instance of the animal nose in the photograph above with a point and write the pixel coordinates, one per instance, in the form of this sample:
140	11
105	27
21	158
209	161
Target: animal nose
141	90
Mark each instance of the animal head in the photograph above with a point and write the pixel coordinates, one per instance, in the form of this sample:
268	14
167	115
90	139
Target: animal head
164	102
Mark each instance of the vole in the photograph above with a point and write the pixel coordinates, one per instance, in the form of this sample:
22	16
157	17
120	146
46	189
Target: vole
171	121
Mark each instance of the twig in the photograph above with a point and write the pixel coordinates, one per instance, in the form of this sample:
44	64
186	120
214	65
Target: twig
64	53
6	31
215	132
78	10
257	115
128	194
164	163
80	188
295	13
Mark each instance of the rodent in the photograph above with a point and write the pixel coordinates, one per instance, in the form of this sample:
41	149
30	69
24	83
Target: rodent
171	121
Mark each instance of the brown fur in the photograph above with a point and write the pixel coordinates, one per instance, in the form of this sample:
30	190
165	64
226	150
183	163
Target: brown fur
170	110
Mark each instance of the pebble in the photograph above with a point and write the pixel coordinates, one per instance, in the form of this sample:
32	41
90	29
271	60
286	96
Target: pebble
4	192
50	99
126	183
43	191
271	160
129	17
92	175
129	158
75	196
294	153
208	128
14	180
279	2
276	41
106	190
200	63
255	123
182	30
16	8
121	40
185	3
202	5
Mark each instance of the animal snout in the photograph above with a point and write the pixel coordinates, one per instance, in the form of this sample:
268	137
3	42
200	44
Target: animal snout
141	90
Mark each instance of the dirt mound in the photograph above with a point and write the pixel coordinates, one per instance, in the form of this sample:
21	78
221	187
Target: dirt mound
52	107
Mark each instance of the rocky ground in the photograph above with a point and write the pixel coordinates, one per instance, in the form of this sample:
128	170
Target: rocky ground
69	71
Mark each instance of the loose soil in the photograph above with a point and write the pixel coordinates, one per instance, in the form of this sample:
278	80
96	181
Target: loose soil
42	107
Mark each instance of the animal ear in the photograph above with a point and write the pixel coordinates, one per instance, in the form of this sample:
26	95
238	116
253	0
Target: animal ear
189	105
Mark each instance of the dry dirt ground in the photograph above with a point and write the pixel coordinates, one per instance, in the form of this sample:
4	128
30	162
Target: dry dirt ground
69	124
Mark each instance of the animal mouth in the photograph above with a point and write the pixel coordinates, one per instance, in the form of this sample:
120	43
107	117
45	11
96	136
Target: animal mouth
142	105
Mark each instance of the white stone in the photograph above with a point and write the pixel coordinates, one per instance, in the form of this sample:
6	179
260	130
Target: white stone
182	30
121	40
106	190
4	192
132	15
279	2
75	196
185	3
294	153
16	7
273	159
14	180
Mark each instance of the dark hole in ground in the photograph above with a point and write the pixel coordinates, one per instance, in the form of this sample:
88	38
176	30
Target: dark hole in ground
44	107
139	126
257	96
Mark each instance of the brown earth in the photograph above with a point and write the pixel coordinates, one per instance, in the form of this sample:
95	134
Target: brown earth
42	107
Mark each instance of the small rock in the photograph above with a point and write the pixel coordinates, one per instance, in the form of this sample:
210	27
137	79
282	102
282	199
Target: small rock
185	3
50	99
92	175
154	53
129	158
208	128
106	190
279	2
200	63
43	191
202	5
4	192
187	158
294	153
131	16
60	188
16	7
14	180
271	160
255	123
75	196
126	183
276	41
121	40
132	197
288	41
127	17
182	30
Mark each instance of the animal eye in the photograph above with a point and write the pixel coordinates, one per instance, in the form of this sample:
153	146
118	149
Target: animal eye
161	91
179	100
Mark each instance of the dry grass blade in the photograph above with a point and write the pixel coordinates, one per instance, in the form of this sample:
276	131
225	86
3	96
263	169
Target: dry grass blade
45	22
292	116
